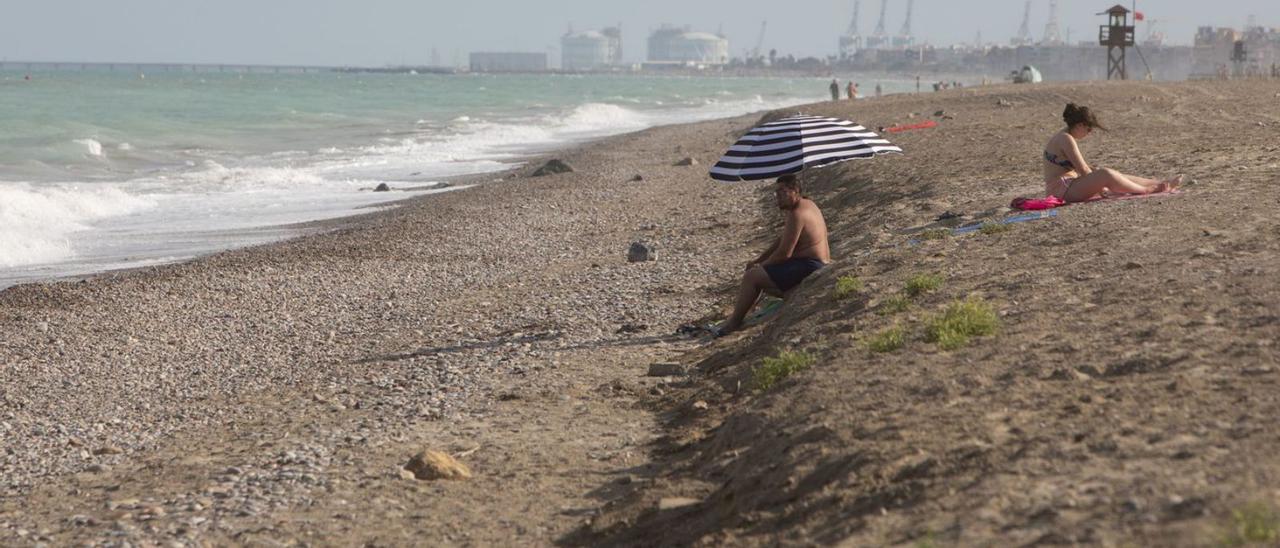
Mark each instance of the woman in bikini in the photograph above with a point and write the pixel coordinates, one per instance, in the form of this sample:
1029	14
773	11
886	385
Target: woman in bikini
1069	177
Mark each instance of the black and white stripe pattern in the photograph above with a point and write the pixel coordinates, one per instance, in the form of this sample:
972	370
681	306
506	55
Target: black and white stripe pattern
793	144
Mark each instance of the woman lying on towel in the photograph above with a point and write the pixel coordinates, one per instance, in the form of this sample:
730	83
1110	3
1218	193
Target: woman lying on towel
1068	177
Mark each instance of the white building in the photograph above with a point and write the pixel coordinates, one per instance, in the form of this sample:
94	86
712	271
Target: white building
673	45
592	49
508	62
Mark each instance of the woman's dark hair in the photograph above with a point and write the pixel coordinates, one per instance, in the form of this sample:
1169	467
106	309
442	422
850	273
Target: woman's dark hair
1076	114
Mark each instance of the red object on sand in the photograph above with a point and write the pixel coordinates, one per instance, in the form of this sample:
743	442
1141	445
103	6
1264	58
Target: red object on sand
1050	202
922	125
1036	204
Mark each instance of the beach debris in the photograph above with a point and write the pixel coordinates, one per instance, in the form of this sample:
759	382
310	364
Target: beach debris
687	161
552	167
382	187
1258	370
641	252
632	328
434	465
667	369
675	503
1004	103
637	178
940	113
913	467
108	450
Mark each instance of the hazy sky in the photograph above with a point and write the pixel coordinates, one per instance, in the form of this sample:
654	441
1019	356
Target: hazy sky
381	32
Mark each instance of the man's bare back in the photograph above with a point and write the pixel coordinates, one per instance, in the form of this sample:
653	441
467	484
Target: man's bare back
812	241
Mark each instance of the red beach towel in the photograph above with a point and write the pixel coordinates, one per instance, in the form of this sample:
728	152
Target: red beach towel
1036	204
922	125
1050	202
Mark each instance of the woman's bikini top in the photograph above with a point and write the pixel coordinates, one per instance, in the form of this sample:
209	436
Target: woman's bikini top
1053	159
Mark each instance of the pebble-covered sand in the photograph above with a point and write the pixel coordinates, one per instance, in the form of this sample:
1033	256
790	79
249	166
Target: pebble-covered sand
383	323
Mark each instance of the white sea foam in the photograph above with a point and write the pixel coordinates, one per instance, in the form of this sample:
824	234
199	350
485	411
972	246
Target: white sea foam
178	211
216	178
480	146
92	147
595	117
37	221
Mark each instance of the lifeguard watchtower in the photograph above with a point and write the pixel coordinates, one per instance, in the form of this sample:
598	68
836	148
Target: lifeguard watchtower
1116	35
1239	55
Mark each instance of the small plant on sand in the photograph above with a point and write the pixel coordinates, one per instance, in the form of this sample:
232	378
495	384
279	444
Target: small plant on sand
933	234
960	322
994	228
1253	523
893	305
922	283
928	541
780	367
847	286
888	340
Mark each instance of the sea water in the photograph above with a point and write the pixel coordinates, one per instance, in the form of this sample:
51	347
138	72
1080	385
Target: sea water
104	170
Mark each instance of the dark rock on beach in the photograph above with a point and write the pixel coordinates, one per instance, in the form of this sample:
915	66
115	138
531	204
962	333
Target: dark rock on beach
552	167
641	252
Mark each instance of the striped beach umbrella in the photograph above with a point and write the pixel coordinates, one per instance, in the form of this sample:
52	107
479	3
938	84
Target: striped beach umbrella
793	144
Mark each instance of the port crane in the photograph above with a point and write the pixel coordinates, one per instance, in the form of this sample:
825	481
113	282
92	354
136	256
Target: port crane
755	52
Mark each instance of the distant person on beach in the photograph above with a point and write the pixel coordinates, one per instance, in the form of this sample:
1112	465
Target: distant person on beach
1069	177
851	89
835	90
800	251
879	90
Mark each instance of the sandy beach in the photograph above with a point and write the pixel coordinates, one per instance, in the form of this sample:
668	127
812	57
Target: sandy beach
273	395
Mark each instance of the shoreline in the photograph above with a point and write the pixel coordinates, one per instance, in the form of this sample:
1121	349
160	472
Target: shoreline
307	229
378	331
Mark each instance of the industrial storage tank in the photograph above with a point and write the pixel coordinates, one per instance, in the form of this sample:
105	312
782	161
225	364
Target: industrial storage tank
674	45
591	49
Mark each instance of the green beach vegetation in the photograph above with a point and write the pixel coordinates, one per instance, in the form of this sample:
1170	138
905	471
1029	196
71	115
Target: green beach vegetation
1256	523
893	305
922	283
961	322
777	368
994	228
847	286
888	340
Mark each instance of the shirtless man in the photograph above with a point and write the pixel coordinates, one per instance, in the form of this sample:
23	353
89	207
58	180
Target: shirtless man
800	251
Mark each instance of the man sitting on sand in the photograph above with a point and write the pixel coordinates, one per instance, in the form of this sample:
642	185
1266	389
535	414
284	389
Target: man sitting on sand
800	251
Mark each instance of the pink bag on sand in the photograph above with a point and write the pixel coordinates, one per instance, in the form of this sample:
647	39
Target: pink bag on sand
1034	204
